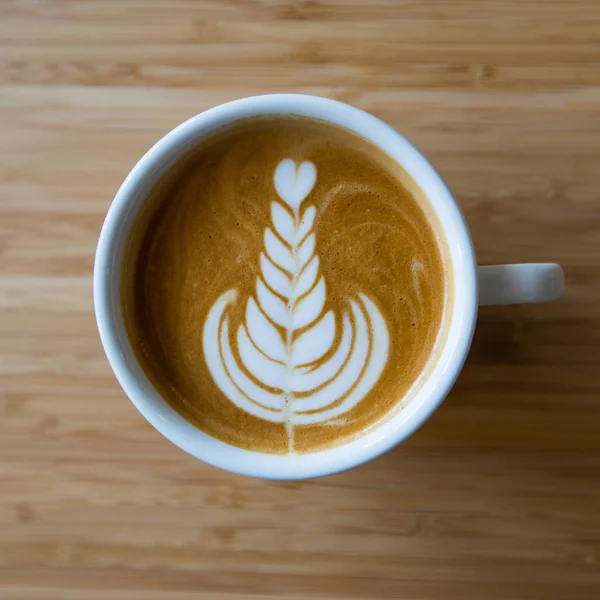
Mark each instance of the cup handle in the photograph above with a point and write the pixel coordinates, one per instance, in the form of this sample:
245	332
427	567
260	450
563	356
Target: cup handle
520	284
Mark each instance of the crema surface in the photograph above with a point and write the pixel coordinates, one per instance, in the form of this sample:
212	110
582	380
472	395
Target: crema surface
285	287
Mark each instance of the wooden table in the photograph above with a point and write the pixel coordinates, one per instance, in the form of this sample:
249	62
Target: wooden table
498	496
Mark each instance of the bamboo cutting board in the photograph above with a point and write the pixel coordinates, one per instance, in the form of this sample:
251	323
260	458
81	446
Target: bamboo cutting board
497	496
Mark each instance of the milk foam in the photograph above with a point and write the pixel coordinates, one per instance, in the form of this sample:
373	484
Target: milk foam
291	361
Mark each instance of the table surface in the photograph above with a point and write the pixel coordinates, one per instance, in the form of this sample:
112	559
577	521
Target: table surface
497	496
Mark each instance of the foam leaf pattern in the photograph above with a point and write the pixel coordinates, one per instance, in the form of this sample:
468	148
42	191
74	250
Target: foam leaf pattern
277	251
310	307
306	223
282	221
312	345
262	368
264	334
295	362
276	279
272	306
307	277
305	251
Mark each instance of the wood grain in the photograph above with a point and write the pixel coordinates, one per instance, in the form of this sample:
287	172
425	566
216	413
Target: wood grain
497	496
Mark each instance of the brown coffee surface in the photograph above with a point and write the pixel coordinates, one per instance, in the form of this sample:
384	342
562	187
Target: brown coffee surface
203	234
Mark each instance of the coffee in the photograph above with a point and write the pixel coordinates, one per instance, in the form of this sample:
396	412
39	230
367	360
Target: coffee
285	287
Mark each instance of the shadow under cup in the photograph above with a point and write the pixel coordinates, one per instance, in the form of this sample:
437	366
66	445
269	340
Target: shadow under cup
457	324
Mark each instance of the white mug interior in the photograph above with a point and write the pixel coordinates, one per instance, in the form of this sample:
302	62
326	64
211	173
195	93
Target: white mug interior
424	396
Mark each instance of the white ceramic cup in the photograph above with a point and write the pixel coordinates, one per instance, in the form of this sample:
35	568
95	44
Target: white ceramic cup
472	286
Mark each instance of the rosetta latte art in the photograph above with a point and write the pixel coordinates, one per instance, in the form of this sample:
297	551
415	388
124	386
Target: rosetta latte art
294	362
286	306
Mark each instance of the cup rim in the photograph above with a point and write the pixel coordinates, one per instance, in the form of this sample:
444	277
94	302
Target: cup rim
395	429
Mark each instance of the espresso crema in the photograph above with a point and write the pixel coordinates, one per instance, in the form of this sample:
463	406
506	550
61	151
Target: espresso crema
286	286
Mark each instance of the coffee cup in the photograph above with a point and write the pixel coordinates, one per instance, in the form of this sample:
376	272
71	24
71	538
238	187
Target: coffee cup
472	286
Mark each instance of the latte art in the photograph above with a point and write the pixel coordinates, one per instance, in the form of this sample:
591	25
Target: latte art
293	362
284	289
